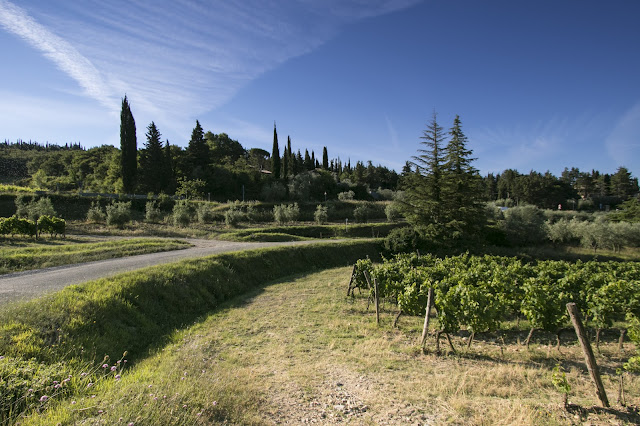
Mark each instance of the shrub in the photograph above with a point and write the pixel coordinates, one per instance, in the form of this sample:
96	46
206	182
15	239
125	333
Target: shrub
524	225
284	213
51	225
321	214
204	213
34	209
181	213
14	225
346	195
256	215
362	214
274	191
95	213
152	212
560	232
119	213
403	240
392	211
234	216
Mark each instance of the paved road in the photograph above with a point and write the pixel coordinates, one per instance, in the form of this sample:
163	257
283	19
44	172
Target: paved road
30	284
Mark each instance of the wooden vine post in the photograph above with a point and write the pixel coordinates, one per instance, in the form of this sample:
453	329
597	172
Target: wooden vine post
353	275
425	328
588	353
375	294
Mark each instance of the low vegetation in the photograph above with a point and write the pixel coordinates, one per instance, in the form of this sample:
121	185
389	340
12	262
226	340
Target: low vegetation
45	254
298	351
134	312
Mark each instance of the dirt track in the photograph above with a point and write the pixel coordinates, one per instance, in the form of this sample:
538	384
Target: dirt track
30	284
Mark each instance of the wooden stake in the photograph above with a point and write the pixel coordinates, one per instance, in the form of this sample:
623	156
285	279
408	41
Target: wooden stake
425	328
375	289
375	293
353	273
588	353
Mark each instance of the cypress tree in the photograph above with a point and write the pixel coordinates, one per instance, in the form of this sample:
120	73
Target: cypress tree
275	154
292	160
325	158
285	159
169	182
128	148
307	160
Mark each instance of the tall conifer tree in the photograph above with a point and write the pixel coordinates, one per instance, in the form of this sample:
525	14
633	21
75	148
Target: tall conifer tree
292	160
275	155
198	152
325	158
423	202
128	148
461	185
152	173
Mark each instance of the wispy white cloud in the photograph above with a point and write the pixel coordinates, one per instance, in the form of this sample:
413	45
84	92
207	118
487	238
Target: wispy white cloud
623	144
545	145
180	58
393	135
55	117
62	53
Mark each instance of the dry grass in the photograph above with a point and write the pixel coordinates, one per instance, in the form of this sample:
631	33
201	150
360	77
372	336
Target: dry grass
300	352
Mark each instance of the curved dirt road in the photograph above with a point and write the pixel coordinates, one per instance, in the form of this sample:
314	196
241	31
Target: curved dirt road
30	284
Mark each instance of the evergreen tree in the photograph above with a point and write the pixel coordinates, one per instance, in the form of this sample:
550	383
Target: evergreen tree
292	161
285	159
275	155
299	163
461	193
152	162
308	165
170	178
623	185
198	153
422	205
128	148
325	158
313	160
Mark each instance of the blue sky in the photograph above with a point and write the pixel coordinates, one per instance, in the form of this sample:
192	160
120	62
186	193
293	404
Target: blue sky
538	85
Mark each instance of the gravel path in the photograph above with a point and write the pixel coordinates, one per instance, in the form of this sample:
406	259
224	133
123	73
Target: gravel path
29	284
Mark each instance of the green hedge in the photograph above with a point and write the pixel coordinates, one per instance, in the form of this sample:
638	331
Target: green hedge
370	230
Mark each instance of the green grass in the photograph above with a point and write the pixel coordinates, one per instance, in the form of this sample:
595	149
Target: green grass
47	253
137	312
298	351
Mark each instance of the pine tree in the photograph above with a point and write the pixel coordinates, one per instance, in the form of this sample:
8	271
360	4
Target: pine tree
299	163
128	148
198	152
423	202
152	173
307	160
325	158
461	193
275	155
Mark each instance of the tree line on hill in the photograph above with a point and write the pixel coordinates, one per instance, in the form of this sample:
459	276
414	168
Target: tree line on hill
217	167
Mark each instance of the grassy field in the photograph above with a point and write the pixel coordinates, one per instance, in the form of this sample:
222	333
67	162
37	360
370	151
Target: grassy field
21	254
298	351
